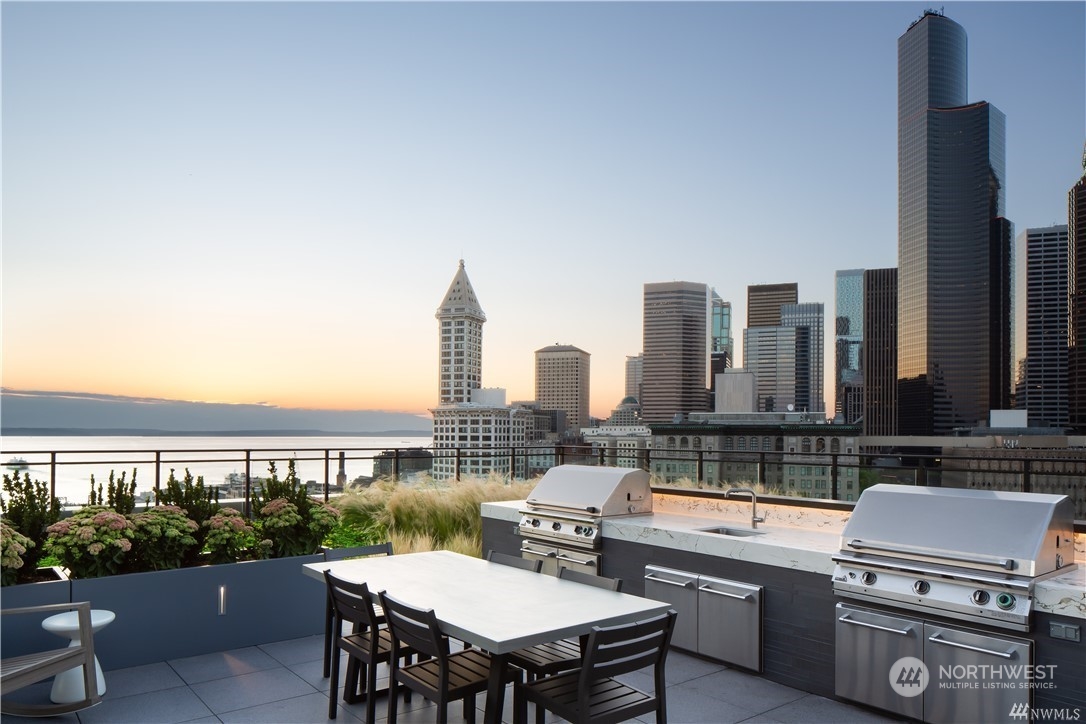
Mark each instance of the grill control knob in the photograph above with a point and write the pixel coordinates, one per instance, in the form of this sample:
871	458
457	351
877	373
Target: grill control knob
1005	601
556	525
578	530
867	578
980	597
588	531
535	522
921	587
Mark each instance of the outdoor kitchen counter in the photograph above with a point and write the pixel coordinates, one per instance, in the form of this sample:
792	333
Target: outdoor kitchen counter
803	539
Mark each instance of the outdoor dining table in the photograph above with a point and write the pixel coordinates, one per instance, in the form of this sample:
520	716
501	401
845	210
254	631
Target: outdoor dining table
497	608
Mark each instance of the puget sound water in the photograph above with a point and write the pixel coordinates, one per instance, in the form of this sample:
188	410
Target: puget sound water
80	456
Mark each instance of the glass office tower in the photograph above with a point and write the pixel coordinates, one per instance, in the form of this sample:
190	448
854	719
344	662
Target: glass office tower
848	343
953	244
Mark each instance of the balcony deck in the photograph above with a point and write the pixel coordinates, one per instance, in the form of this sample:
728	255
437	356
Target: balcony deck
281	683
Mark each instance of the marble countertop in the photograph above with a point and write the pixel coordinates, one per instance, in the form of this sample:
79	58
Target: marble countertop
803	539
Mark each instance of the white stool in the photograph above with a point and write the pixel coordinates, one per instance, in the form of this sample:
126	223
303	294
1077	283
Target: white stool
68	685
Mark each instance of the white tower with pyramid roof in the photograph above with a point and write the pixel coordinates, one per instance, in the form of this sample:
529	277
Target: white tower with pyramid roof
460	350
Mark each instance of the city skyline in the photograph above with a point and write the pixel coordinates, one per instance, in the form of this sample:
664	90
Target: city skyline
275	216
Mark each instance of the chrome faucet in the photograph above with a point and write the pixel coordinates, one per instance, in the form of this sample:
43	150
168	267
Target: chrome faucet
754	519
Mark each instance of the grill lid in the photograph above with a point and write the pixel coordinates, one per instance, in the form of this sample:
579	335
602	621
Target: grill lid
1019	534
592	490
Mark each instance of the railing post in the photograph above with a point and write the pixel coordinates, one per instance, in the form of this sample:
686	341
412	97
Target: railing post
396	464
158	470
246	507
326	453
761	469
52	475
833	476
701	466
512	462
1027	476
456	467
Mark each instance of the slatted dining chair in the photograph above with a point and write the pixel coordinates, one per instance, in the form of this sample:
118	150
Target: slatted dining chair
551	658
514	561
339	554
592	693
17	672
445	676
367	646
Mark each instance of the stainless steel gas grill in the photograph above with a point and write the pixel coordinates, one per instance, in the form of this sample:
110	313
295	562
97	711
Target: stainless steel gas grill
972	555
560	523
920	556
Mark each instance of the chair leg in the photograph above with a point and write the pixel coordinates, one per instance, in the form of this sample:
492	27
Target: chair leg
371	693
393	693
328	642
333	686
520	705
469	709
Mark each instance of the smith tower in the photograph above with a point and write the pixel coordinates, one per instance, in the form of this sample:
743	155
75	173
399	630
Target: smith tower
461	347
954	245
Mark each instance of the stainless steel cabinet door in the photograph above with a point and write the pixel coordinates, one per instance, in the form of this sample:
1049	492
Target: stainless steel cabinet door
533	551
867	645
680	589
985	676
730	622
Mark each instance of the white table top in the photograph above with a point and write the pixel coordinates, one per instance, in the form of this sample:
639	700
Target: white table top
498	608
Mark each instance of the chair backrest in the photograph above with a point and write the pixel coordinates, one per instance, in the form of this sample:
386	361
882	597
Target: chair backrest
616	650
505	559
415	628
590	579
351	602
378	549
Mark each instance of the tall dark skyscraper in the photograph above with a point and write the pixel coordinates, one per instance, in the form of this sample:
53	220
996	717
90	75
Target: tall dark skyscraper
880	352
954	245
677	338
1076	302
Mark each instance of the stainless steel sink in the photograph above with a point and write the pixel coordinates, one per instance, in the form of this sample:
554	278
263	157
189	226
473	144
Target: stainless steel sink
737	532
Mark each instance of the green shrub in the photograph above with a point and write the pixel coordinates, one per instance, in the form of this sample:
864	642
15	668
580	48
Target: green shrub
29	508
94	542
199	502
162	538
13	549
120	497
294	523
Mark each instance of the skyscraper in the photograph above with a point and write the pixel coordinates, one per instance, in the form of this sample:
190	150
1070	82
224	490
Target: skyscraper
880	352
953	244
676	339
561	382
461	341
848	343
784	351
635	366
764	303
1041	325
721	352
1076	302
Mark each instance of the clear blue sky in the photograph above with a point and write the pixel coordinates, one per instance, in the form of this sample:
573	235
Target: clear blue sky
251	202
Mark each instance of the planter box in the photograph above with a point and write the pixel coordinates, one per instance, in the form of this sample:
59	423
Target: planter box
25	634
165	615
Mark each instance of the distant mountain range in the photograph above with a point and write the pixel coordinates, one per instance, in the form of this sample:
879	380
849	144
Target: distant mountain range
35	412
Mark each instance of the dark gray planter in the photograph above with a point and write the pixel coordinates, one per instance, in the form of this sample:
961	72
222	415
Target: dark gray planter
24	634
165	615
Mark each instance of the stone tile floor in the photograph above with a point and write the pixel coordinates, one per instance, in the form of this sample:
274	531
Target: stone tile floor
281	683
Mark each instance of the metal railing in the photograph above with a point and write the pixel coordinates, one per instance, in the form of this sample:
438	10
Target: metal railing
826	475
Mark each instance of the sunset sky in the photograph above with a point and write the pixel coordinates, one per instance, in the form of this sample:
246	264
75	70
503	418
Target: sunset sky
265	202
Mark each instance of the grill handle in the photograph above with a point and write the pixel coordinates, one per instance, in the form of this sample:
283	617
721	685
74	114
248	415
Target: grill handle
563	557
934	638
1005	563
545	554
590	509
865	624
